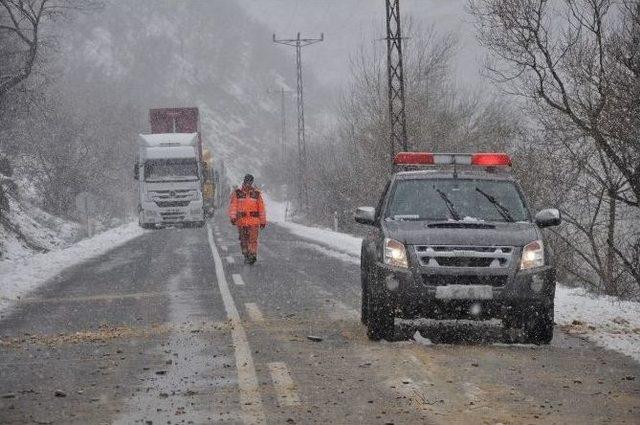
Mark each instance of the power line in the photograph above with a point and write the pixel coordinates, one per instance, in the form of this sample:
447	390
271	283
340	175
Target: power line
395	79
283	119
299	43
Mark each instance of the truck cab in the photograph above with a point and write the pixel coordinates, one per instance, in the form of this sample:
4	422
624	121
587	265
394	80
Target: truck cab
169	173
452	237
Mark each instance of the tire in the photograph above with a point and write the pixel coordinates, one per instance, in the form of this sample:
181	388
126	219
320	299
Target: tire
538	327
364	302
380	320
536	323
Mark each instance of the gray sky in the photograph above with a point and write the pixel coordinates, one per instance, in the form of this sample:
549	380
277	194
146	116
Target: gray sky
349	23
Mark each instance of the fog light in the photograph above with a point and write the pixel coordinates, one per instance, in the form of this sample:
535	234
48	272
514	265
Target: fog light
537	283
475	309
392	283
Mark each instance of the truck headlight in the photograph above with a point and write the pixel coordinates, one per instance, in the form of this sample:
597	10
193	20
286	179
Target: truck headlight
532	255
395	253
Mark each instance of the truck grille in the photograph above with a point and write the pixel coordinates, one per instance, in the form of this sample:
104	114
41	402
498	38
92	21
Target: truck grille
173	195
172	217
444	280
164	204
464	256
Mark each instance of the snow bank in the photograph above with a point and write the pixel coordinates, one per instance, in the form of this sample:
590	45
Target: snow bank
340	242
21	276
606	321
31	229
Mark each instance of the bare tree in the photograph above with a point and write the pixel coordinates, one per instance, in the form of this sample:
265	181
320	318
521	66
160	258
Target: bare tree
562	55
21	24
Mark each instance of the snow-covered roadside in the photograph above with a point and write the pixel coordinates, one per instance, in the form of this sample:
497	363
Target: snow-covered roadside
341	242
606	321
21	276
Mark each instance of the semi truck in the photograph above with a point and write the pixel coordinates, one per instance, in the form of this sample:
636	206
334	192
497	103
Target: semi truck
171	170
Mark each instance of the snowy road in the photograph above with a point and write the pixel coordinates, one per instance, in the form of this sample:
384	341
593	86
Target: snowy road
171	327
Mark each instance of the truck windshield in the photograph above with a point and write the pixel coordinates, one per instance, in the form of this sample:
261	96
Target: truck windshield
456	199
171	169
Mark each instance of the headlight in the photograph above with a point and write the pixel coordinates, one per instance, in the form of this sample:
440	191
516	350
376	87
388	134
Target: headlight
532	256
395	254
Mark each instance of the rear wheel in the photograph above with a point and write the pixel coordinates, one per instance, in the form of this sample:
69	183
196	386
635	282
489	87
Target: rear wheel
380	320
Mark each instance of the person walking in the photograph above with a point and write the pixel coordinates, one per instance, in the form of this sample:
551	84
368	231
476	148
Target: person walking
247	212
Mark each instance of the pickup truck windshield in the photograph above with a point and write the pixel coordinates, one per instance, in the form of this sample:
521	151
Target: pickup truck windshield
456	199
171	169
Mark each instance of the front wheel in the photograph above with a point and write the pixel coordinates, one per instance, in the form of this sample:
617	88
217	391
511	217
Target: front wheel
536	322
538	327
364	305
380	320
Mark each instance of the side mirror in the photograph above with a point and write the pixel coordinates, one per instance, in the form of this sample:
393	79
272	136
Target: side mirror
365	215
548	217
136	171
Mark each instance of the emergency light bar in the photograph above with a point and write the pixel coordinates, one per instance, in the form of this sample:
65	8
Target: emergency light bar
481	159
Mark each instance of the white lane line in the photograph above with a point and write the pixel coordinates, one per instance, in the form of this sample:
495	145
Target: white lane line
250	398
230	260
237	279
284	386
224	248
254	312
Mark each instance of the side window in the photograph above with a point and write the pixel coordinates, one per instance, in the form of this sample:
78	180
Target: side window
382	198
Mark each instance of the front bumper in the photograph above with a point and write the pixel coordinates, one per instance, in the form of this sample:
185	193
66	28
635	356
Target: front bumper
151	213
413	294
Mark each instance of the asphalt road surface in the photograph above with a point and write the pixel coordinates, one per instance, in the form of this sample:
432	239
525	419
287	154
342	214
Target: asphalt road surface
172	328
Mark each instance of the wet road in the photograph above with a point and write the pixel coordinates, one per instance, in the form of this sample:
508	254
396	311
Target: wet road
172	328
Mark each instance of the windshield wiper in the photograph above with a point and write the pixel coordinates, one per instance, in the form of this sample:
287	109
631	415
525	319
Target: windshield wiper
504	212
452	208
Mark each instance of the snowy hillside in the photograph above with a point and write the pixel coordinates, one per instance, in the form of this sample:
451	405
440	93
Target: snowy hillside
27	229
223	68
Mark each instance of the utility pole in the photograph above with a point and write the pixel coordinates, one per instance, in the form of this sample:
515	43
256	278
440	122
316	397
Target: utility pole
395	78
299	43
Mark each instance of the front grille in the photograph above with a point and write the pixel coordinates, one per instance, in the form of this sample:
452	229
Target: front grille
172	195
164	204
464	256
172	216
445	280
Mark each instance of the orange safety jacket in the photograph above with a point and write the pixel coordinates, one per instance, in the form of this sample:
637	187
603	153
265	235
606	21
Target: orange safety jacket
247	208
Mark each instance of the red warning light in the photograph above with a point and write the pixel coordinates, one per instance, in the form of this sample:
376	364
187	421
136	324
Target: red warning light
413	158
491	159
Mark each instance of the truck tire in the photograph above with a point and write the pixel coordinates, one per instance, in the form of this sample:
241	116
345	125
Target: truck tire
538	326
380	320
535	321
364	304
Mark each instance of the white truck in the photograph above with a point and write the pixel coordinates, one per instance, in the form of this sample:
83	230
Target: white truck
169	171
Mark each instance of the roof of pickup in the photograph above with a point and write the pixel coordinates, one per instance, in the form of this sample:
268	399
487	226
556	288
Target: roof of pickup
463	173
